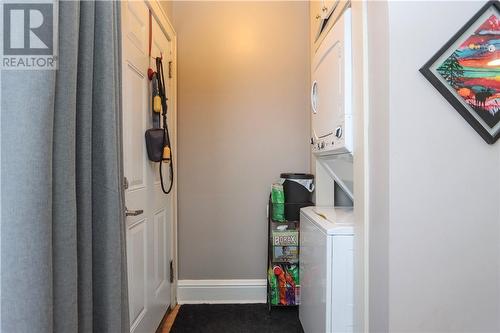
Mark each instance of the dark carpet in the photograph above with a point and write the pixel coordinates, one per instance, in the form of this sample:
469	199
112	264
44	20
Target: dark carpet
237	318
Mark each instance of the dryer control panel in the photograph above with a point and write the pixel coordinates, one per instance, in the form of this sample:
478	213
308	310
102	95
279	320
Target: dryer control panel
334	142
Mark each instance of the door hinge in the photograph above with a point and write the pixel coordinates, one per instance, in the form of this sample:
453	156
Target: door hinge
169	69
171	271
125	183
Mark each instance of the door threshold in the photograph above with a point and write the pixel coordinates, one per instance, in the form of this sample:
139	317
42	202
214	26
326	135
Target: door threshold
168	320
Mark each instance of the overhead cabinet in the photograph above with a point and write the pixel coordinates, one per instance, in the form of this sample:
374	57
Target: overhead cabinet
327	8
324	14
316	19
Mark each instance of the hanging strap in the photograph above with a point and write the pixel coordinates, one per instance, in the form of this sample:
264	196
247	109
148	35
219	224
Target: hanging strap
166	136
161	89
150	34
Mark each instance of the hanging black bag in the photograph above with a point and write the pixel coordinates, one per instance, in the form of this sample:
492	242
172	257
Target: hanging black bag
154	144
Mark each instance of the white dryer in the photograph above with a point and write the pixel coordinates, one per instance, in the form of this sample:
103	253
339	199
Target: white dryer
331	90
326	270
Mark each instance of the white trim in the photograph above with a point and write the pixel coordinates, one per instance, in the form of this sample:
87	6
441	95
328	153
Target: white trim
221	291
161	15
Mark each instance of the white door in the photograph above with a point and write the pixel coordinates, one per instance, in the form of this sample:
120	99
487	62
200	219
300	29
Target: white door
149	230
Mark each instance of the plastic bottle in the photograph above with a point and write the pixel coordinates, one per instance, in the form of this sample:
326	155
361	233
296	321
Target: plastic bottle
273	286
278	201
294	272
280	276
290	289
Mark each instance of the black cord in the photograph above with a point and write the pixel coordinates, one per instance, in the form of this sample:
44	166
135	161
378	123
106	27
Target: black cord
171	178
166	134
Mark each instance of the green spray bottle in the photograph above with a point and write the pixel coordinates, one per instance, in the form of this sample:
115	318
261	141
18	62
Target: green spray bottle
273	286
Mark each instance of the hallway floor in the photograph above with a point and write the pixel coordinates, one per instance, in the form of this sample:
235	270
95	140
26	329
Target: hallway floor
235	318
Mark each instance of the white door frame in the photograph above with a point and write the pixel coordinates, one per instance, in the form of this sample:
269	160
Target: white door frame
361	104
159	14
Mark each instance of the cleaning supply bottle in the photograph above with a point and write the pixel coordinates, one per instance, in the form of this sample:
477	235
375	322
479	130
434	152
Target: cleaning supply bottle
294	273
278	202
278	271
273	286
290	289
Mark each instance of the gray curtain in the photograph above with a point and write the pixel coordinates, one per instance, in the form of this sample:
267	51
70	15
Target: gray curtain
63	264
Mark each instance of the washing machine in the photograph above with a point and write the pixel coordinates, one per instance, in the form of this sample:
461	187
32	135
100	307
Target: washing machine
326	269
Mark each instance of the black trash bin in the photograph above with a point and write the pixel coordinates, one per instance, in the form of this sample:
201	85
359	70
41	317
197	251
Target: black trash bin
298	188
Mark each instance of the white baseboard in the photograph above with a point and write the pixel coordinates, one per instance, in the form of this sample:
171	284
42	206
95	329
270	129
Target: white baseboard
221	291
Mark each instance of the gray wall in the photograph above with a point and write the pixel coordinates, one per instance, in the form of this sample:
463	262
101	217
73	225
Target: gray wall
437	233
243	118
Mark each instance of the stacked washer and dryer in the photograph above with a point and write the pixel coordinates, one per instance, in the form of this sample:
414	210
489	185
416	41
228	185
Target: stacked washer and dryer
327	231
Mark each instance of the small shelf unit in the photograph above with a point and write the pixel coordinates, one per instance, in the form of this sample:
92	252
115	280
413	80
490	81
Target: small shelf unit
283	249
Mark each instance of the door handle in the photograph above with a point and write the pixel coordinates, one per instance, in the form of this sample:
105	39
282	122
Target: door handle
133	212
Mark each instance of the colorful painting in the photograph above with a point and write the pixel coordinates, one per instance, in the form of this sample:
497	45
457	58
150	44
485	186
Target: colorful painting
472	71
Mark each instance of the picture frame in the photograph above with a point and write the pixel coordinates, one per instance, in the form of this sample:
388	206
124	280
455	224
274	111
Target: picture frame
466	71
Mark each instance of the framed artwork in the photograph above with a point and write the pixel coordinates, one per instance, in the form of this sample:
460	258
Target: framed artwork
466	71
